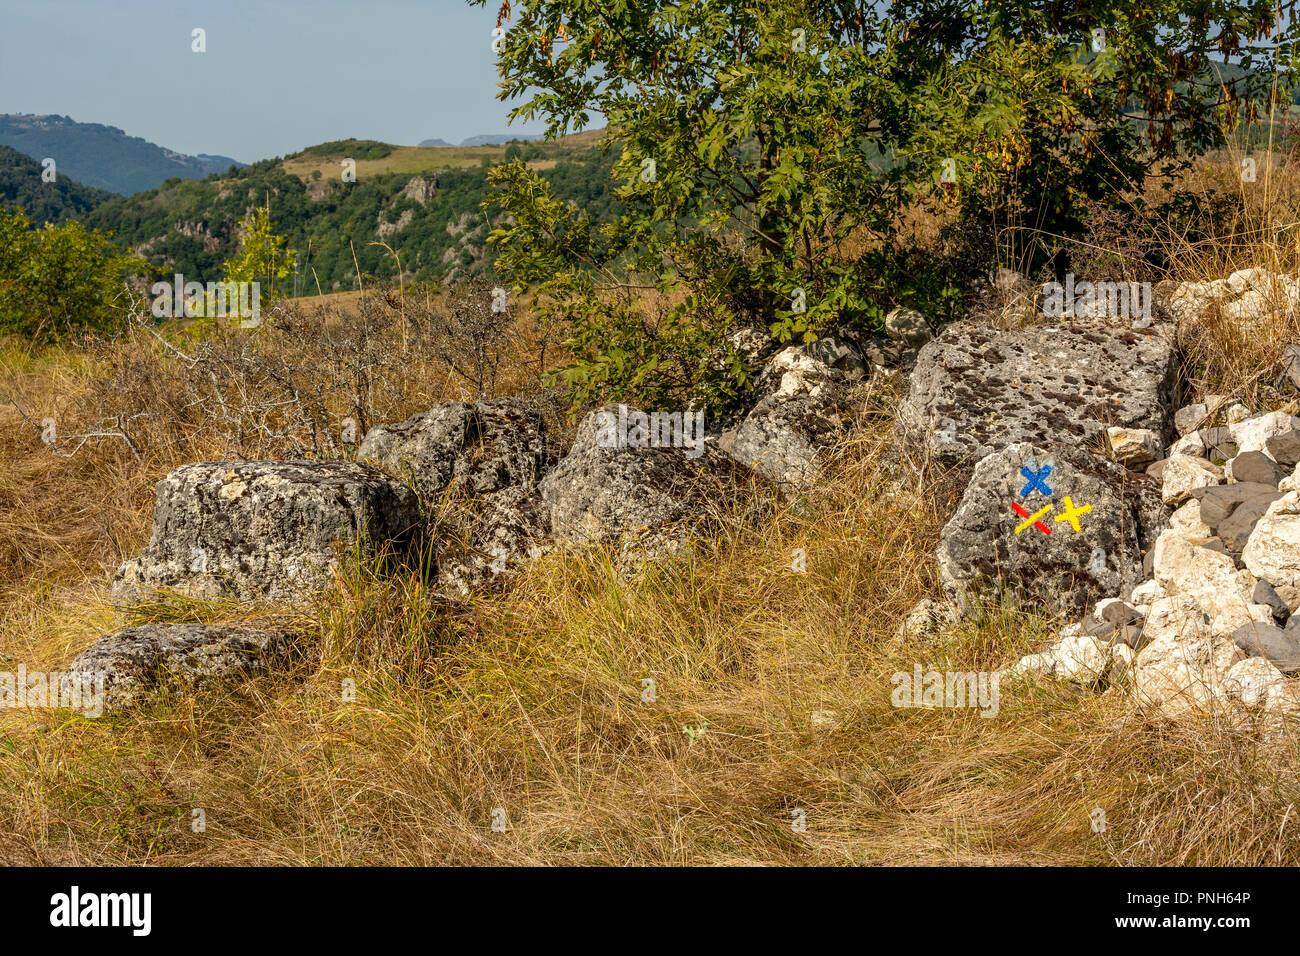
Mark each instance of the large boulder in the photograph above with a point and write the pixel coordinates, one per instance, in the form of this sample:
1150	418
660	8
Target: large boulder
485	447
618	489
264	529
476	469
977	389
785	439
137	661
1062	526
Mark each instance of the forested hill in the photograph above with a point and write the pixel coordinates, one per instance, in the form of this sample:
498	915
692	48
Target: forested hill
423	202
21	185
103	156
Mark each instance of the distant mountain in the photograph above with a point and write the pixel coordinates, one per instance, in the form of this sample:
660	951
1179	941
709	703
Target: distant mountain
103	156
434	142
496	139
21	185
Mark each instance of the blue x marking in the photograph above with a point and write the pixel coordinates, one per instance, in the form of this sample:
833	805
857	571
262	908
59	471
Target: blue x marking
1037	480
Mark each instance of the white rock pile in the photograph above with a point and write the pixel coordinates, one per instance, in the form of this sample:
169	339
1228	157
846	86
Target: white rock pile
1213	628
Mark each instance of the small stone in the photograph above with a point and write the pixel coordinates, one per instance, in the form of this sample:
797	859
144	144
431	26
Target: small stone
1184	474
1214	544
1157	469
1236	528
1133	446
823	719
1284	448
908	326
1190	417
1254	466
1219	501
1147	593
1266	594
1237	412
1267	640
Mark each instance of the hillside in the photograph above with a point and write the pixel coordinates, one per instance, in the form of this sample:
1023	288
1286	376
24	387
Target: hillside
103	156
21	186
424	202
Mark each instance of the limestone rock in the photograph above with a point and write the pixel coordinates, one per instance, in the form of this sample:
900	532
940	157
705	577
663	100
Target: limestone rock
1273	549
264	529
1183	475
977	389
138	660
1133	447
643	496
980	549
785	439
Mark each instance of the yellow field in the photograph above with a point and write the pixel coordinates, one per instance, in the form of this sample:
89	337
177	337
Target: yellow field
409	160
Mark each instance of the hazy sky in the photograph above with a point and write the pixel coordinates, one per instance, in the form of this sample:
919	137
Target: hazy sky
278	75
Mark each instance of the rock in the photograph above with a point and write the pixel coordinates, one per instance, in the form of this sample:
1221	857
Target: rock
1147	593
1081	659
785	439
1273	550
1188	523
1065	385
1236	528
1156	470
1254	467
1219	501
1290	596
753	345
265	529
1289	363
1133	446
841	355
1284	448
1192	445
1189	418
137	661
482	543
1183	667
1265	594
1268	640
1253	433
981	551
909	326
1236	413
1183	475
1253	681
1122	657
928	617
1209	578
642	497
819	370
485	447
1117	612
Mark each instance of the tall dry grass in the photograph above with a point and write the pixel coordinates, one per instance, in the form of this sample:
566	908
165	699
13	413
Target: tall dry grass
771	689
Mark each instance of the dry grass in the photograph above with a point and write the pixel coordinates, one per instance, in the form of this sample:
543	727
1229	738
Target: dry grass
773	696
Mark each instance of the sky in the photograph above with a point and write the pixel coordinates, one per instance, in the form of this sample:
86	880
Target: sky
278	75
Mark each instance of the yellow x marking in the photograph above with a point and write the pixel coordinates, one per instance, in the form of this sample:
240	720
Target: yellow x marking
1071	513
1032	518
